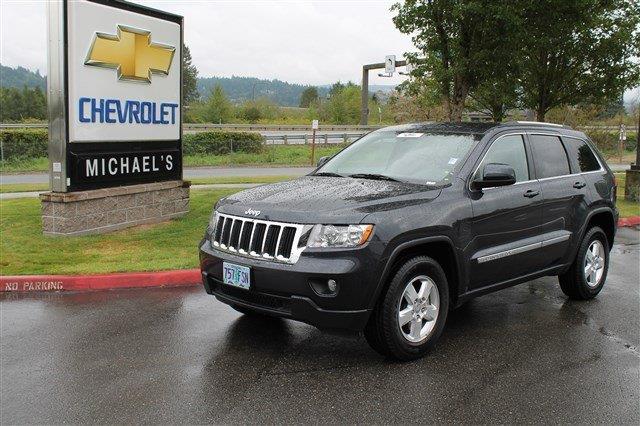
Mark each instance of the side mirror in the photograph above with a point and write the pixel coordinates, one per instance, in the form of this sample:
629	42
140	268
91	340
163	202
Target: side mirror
322	161
495	174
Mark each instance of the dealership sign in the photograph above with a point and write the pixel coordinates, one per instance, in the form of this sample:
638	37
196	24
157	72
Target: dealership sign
114	94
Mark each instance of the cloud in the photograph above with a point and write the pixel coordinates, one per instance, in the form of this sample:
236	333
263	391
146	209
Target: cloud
316	42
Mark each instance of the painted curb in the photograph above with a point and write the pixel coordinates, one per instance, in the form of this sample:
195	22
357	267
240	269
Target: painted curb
28	283
629	221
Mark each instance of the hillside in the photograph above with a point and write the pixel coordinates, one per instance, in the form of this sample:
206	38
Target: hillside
238	89
20	77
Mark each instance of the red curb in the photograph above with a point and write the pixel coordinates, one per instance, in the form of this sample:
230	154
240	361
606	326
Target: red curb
629	221
27	283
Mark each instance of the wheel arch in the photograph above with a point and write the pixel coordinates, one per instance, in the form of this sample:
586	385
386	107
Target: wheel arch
604	218
440	248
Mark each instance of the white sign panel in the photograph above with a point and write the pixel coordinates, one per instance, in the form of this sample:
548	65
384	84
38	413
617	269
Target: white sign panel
123	74
390	64
314	124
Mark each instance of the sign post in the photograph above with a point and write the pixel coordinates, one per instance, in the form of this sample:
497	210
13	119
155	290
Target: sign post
115	117
314	127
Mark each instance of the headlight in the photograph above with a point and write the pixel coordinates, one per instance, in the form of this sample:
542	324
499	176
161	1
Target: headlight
213	221
339	235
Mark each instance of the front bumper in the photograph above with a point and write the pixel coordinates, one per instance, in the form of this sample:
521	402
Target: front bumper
285	290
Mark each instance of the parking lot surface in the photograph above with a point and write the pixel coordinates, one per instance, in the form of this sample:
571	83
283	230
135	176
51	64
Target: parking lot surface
525	354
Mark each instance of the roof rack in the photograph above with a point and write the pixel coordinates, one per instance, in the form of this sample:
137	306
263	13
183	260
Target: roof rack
539	123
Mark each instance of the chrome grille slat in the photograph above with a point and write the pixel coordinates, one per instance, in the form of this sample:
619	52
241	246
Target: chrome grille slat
267	240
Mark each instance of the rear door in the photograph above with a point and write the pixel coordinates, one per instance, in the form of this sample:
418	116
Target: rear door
564	195
506	220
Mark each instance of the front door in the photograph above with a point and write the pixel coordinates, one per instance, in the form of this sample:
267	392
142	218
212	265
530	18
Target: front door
506	220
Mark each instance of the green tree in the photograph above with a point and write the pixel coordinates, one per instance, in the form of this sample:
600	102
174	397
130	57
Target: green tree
577	51
343	107
218	109
251	113
189	78
309	95
452	38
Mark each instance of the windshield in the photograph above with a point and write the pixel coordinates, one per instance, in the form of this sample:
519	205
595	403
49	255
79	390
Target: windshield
425	158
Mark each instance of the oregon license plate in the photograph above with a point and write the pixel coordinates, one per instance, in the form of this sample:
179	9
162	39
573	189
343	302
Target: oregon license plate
236	275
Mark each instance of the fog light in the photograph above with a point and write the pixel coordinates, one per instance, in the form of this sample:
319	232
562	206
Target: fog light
324	287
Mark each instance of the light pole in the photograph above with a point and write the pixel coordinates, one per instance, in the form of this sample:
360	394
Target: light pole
364	113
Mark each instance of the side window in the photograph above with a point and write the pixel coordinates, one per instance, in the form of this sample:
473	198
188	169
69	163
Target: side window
582	157
508	150
549	156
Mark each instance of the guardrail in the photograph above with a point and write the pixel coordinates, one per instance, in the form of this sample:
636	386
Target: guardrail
202	127
305	138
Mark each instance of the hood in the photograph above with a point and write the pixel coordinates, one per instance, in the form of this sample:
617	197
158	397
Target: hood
320	199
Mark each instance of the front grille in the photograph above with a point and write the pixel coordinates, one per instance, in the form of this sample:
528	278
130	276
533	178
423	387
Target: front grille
257	238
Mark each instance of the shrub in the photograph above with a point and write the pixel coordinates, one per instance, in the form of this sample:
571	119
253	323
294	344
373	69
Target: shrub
607	141
20	144
221	142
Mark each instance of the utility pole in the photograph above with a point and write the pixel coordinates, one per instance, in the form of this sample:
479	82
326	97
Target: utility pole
364	112
637	165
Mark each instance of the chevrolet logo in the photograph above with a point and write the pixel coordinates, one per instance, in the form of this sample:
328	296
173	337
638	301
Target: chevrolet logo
131	53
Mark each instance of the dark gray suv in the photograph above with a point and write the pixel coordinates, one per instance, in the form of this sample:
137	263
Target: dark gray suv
410	222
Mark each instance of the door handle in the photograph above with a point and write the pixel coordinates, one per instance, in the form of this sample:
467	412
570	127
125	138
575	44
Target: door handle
579	185
531	193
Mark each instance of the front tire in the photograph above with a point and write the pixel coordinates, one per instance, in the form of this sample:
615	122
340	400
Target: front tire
411	314
588	272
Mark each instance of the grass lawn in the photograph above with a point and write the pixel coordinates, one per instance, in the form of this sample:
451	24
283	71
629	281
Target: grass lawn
23	187
625	207
169	245
280	155
27	187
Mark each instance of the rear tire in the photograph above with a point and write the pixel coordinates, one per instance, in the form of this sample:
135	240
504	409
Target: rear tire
588	272
412	311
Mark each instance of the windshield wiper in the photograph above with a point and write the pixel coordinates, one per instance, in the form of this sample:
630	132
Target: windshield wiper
374	176
329	174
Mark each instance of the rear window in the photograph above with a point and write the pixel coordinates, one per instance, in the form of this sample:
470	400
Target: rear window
549	156
582	157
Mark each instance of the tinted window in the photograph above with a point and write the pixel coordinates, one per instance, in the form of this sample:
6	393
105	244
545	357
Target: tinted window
549	156
508	150
582	157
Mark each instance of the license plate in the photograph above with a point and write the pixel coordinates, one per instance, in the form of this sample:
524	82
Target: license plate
236	275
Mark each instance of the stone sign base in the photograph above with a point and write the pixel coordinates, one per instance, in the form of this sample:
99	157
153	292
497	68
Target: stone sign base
632	184
104	210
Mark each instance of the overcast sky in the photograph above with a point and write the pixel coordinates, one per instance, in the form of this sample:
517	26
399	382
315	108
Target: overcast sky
314	42
299	41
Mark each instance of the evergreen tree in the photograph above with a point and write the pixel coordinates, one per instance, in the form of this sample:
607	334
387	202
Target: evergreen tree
189	77
218	109
308	96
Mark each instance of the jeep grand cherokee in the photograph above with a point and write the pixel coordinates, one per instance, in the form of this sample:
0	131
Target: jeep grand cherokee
411	221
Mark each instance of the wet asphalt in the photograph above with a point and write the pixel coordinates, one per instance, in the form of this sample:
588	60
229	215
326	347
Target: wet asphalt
175	355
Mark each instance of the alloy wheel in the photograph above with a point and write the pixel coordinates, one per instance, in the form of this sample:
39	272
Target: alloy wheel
418	308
